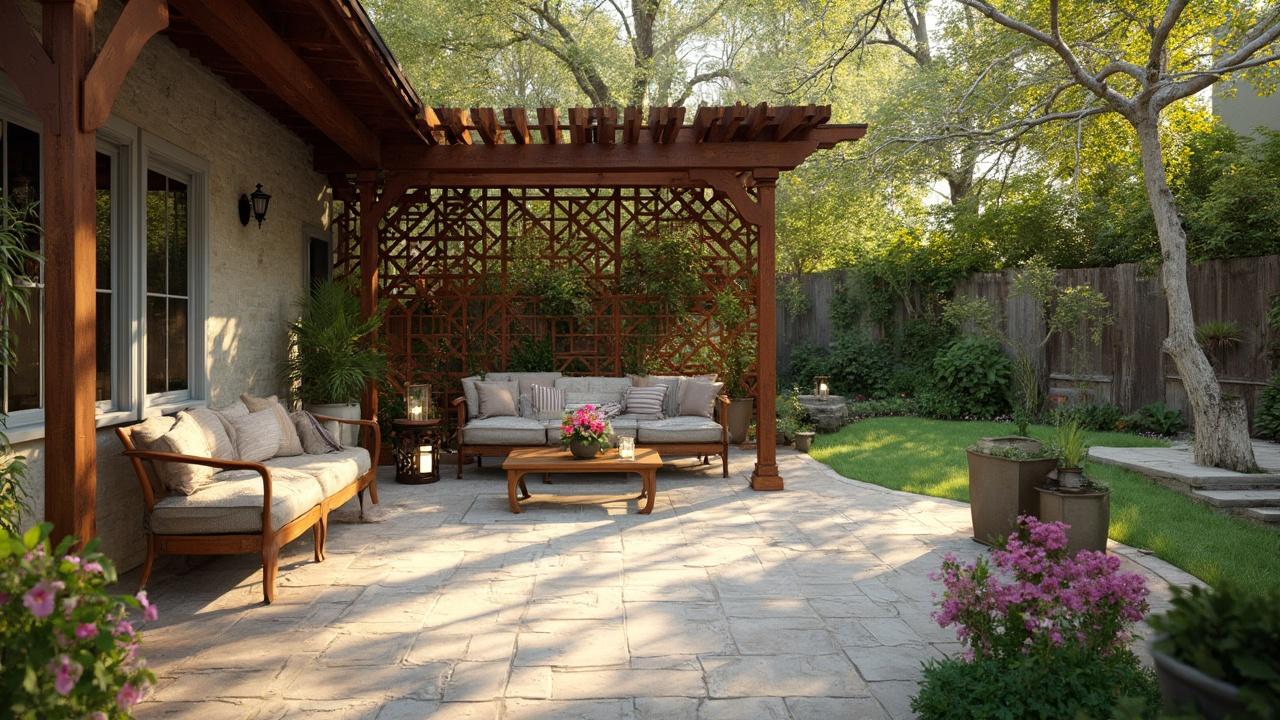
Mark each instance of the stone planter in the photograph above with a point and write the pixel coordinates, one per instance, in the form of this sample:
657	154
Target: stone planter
1183	686
583	450
804	440
346	434
1001	489
1087	512
741	411
827	414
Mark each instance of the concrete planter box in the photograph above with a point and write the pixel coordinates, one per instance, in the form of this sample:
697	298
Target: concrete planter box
346	434
1088	514
1001	489
804	440
1183	686
741	410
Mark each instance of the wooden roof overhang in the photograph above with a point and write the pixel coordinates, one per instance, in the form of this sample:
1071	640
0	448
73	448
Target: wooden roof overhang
318	66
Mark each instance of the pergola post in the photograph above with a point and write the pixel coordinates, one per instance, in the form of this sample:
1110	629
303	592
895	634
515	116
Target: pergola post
765	476
70	474
370	218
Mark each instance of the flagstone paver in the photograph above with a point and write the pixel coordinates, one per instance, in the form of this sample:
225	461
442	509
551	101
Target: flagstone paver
724	603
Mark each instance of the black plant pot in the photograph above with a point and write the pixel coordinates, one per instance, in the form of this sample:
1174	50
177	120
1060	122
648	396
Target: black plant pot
1184	687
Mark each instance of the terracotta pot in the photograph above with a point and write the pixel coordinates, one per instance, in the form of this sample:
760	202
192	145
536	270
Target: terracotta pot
584	450
1184	686
804	441
741	410
1001	489
1088	513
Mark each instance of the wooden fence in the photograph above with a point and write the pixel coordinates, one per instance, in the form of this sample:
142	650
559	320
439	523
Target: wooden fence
1128	368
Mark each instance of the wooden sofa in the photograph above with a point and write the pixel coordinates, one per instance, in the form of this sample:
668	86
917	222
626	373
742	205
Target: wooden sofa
297	495
672	436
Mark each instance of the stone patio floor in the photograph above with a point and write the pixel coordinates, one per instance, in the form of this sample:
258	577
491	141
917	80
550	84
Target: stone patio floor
724	603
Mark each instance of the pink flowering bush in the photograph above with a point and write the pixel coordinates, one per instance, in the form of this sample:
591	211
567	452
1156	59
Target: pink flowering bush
585	425
68	648
1036	599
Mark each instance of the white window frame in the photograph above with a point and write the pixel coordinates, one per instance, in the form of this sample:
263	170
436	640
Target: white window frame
165	157
119	139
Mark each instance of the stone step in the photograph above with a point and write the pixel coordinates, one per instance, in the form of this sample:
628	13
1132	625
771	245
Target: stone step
1239	498
1265	514
1173	467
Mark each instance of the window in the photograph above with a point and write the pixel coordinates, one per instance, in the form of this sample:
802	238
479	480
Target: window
168	283
106	199
318	261
20	185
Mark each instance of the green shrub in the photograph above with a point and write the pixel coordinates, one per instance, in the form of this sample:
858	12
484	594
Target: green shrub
1266	421
1102	417
1065	684
1154	419
792	417
807	362
970	379
1229	634
887	407
532	355
859	367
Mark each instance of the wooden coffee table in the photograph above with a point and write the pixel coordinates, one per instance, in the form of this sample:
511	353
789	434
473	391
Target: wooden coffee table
523	461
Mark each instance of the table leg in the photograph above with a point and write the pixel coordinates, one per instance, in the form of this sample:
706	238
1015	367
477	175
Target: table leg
650	490
524	490
513	478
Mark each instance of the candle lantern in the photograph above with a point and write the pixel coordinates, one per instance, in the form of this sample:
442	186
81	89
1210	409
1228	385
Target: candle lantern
417	402
820	387
627	448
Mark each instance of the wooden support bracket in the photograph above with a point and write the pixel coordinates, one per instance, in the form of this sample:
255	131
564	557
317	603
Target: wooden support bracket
139	22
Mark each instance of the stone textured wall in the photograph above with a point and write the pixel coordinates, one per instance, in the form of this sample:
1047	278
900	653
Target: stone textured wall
254	275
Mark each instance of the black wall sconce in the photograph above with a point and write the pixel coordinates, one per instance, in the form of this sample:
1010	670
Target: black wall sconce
256	204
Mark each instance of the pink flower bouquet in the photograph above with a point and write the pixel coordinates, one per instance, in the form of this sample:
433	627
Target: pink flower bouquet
585	425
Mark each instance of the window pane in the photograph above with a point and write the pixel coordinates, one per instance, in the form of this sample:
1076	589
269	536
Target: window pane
104	347
24	376
157	231
178	238
157	335
103	226
177	345
23	189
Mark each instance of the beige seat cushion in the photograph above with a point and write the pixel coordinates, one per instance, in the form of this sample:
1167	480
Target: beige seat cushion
334	471
290	443
232	503
504	431
679	430
185	438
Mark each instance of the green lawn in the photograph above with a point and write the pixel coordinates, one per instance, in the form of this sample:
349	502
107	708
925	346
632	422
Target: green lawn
927	457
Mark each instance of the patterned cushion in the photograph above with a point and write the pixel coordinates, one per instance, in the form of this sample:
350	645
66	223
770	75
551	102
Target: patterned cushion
334	471
316	438
186	438
679	429
215	433
646	401
698	397
593	390
609	410
232	503
671	401
504	431
290	443
547	402
498	399
257	435
524	381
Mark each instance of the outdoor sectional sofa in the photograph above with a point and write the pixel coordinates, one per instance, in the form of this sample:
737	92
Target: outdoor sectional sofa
672	435
250	507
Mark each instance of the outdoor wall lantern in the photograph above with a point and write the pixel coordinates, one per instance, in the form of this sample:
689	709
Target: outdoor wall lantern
256	204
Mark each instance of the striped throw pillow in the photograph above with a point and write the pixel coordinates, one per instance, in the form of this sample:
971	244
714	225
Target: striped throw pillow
547	402
646	401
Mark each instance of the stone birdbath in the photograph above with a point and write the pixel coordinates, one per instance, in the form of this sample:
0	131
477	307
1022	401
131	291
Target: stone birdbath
827	414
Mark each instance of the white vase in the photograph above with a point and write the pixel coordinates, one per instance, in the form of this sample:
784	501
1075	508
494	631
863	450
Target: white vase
346	434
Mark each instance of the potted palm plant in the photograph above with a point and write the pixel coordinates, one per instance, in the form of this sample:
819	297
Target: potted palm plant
738	350
1075	499
331	352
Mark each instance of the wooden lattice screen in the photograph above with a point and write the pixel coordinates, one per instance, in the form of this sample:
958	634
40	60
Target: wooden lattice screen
446	264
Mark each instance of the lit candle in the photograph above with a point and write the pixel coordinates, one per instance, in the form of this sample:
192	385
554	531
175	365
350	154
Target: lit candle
823	391
424	459
627	448
415	411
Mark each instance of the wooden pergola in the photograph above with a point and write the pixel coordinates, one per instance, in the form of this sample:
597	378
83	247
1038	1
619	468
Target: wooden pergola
737	152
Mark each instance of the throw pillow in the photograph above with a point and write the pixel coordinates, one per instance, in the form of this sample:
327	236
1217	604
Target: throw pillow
235	409
215	433
290	443
258	435
608	411
548	402
671	401
698	397
316	439
646	402
497	399
186	438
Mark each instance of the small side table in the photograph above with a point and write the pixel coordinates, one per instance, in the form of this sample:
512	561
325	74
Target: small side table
411	435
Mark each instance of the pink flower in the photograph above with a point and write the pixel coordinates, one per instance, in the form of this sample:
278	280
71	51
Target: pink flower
84	631
124	629
40	599
128	696
65	674
93	567
73	559
149	612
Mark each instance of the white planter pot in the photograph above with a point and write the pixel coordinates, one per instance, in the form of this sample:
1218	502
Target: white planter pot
346	434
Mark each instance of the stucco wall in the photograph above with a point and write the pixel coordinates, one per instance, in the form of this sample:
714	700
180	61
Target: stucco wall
254	275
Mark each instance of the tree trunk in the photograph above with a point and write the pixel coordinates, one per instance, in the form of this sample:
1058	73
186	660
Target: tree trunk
1221	423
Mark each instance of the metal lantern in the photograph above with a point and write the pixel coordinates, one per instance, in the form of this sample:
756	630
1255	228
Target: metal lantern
417	402
820	387
255	204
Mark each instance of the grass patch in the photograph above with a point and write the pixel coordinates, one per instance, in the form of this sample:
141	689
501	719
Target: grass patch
927	457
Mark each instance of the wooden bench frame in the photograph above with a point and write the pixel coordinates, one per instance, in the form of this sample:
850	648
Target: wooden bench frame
698	449
268	541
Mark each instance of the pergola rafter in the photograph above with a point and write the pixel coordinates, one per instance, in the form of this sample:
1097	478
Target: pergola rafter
460	197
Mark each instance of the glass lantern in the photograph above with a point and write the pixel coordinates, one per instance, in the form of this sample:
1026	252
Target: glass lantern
626	448
417	402
426	457
820	387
